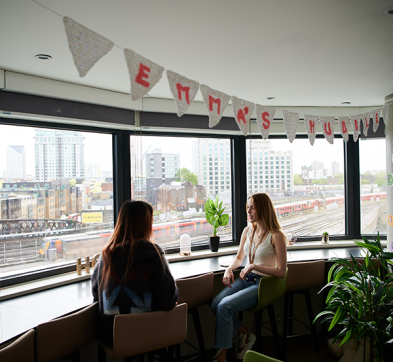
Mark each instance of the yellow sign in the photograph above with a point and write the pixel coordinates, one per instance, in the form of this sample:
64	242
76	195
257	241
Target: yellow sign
390	220
92	217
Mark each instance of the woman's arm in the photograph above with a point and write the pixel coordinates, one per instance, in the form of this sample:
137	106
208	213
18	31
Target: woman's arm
229	278
279	243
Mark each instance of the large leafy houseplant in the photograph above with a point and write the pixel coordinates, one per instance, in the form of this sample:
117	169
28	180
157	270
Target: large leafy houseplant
215	214
361	298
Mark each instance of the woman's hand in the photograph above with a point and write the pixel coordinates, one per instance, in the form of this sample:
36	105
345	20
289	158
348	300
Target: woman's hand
228	278
246	270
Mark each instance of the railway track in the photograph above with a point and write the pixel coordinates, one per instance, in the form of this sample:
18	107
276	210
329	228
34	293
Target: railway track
14	252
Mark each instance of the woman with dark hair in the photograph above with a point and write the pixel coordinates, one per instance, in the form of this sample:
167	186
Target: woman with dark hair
264	243
132	275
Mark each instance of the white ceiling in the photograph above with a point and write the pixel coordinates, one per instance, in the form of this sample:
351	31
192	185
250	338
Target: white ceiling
303	52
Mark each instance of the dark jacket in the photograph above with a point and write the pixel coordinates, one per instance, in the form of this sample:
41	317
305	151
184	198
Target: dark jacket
149	286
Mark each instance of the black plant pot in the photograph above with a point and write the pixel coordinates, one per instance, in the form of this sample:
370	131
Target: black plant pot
214	242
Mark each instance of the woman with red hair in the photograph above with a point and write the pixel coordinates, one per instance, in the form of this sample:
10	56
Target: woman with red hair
132	275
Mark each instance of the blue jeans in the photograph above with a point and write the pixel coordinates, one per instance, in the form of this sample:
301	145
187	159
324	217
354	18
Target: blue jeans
243	295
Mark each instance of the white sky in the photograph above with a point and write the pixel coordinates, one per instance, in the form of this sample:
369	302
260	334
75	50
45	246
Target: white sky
98	149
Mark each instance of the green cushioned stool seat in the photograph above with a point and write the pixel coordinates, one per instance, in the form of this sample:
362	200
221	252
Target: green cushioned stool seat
252	356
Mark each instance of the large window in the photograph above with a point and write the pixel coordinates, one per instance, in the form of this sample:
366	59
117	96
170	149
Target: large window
372	157
176	175
305	182
56	197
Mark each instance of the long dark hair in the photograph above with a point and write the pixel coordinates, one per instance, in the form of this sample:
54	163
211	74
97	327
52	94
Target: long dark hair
134	223
264	207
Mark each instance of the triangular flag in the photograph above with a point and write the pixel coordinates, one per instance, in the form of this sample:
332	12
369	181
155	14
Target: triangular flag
344	127
365	117
215	103
327	123
376	115
291	121
311	123
265	116
144	74
242	111
183	90
385	111
355	121
87	47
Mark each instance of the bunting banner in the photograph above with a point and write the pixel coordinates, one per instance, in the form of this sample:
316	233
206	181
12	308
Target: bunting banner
311	123
327	123
144	74
265	116
375	115
344	127
365	117
385	111
215	102
87	47
291	121
355	121
242	111
183	90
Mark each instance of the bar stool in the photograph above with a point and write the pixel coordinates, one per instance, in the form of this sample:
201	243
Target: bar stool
301	277
63	337
22	349
270	289
252	356
139	333
196	291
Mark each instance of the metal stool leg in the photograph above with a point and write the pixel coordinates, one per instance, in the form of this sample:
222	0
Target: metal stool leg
258	327
273	324
311	319
198	329
285	328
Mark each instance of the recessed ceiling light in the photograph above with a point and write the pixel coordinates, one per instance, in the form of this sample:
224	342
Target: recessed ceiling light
270	98
43	56
388	11
346	103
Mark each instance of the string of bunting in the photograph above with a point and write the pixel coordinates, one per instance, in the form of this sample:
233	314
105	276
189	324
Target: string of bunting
87	47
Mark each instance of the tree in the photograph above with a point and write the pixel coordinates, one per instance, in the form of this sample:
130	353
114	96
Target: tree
380	175
380	181
185	174
364	181
341	181
72	182
297	179
339	175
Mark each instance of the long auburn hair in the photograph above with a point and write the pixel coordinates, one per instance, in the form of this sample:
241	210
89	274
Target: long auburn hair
264	207
134	223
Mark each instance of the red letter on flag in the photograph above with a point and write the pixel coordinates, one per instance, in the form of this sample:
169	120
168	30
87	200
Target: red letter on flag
312	126
330	130
241	116
143	73
376	118
367	124
265	119
213	100
344	127
356	124
186	90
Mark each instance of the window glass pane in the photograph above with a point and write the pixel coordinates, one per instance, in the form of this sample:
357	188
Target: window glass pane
56	197
372	159
308	189
178	190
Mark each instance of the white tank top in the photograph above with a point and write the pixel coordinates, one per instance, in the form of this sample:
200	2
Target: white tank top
264	255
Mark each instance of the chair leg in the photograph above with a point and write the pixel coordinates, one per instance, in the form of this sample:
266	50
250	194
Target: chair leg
258	327
74	357
101	354
311	319
273	324
285	327
290	315
198	329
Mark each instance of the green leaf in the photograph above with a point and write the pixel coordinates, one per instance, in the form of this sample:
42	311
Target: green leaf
223	220
367	246
336	318
323	313
387	255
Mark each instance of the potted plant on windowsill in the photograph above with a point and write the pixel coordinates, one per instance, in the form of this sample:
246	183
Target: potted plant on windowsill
361	299
325	237
215	217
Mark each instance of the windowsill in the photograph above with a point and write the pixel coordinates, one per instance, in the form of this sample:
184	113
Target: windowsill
68	278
